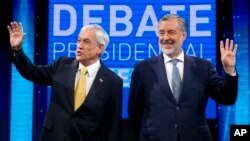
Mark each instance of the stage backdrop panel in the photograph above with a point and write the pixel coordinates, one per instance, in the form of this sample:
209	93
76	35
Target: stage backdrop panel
132	26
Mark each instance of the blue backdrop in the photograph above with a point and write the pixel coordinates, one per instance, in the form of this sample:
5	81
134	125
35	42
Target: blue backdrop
132	27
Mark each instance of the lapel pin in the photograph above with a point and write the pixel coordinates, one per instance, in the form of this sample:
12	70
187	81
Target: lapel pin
100	80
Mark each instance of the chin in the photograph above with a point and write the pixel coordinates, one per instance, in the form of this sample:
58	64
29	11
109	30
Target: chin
167	51
78	58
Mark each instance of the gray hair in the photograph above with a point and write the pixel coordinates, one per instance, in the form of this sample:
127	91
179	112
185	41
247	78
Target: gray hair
101	35
181	21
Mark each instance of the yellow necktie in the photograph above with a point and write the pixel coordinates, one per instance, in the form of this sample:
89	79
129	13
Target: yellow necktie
80	91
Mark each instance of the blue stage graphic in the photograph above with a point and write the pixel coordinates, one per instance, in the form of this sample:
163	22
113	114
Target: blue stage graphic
132	27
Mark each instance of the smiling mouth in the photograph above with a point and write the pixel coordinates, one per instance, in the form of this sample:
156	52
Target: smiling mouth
168	44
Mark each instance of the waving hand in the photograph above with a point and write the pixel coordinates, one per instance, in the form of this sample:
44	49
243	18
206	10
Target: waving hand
228	55
16	35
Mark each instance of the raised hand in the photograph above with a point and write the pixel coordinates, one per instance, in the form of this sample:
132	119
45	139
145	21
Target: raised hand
16	35
228	55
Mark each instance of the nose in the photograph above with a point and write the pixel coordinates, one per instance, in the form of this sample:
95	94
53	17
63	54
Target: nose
79	47
166	36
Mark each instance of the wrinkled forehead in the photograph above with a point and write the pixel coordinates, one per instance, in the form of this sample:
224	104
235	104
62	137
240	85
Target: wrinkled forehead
177	23
87	33
171	24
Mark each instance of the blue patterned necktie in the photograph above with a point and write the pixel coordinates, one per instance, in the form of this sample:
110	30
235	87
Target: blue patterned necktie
176	80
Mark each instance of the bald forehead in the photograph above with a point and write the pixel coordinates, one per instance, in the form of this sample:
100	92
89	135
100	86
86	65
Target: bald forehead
87	33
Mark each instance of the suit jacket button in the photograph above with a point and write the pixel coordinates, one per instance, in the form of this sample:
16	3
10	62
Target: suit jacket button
175	126
177	108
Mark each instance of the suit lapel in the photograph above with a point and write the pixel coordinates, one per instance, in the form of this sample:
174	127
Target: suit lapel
188	75
71	75
98	83
160	71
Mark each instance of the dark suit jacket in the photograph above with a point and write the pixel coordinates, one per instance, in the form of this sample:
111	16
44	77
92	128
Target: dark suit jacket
98	119
153	111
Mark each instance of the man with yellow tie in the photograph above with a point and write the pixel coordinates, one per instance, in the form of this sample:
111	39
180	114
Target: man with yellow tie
86	96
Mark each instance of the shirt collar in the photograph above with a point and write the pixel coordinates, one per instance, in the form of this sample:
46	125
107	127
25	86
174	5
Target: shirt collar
180	57
91	68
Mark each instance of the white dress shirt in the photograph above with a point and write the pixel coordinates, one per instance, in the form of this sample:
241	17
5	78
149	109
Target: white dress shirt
90	76
169	67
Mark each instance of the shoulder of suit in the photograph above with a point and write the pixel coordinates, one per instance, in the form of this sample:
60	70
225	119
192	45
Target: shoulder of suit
145	64
197	59
111	72
66	60
148	60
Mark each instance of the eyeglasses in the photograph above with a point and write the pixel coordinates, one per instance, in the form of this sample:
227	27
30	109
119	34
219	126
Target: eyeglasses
85	42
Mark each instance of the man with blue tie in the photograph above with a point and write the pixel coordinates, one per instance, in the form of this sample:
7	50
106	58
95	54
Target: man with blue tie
169	92
86	96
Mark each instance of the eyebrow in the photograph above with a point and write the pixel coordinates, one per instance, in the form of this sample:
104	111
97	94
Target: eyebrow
84	38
